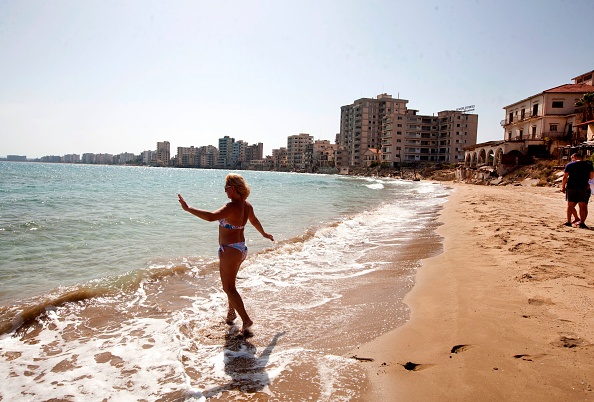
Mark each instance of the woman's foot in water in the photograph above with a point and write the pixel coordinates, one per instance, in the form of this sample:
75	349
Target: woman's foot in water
231	316
246	330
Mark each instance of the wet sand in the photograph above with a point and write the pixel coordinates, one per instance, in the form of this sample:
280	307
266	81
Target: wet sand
506	312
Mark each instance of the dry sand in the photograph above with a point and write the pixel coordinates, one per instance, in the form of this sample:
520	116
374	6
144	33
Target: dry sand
506	312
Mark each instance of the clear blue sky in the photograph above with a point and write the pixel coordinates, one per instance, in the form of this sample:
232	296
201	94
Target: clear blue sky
118	76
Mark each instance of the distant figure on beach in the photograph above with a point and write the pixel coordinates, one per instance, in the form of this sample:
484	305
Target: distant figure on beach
576	188
232	218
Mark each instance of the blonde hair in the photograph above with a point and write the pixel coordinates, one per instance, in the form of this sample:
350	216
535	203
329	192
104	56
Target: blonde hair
238	182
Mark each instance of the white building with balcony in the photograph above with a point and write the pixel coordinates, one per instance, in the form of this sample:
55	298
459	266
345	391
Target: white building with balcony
534	126
545	119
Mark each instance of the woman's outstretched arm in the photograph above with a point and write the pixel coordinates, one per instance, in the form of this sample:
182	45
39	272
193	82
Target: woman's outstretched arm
256	223
201	213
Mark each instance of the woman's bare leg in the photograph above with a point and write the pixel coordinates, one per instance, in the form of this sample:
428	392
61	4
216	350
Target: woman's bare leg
231	315
230	260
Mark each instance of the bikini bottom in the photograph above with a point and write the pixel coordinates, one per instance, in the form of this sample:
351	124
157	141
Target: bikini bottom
238	246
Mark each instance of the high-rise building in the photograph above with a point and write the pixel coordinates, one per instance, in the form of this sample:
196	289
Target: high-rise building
225	150
279	158
19	158
361	126
457	130
148	157
238	154
186	156
417	138
254	152
125	157
71	158
323	153
88	158
297	150
397	134
104	159
207	156
163	153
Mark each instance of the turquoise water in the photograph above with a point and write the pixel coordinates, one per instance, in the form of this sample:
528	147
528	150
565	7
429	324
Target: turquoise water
65	224
109	290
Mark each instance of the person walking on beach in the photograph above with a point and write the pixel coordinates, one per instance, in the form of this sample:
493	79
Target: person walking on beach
232	218
576	188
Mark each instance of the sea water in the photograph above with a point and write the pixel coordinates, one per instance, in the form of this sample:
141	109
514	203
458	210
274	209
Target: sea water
110	291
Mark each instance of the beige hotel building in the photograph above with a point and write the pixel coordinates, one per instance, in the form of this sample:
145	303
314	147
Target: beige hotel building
398	135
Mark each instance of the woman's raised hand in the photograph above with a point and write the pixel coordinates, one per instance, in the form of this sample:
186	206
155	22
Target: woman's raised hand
183	202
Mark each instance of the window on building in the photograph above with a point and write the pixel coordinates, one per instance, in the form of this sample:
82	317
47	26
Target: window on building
557	104
522	114
553	127
511	117
533	131
535	109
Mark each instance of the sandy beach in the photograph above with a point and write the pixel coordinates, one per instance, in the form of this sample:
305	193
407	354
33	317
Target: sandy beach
506	312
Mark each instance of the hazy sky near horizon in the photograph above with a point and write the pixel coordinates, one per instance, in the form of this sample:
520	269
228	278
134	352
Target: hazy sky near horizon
118	76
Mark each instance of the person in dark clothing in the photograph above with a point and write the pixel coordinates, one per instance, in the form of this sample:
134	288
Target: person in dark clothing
576	188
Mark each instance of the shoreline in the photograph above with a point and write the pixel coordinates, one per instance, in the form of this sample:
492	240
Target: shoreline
505	312
165	334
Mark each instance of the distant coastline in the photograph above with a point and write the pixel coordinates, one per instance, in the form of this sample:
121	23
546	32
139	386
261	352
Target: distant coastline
411	171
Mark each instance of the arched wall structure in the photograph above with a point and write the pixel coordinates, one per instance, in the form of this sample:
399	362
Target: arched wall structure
491	153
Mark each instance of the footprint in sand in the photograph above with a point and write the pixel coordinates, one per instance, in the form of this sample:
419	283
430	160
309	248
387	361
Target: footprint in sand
538	301
460	348
570	341
410	366
530	358
363	359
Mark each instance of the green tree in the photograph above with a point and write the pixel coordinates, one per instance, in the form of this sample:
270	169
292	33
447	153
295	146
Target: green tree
586	105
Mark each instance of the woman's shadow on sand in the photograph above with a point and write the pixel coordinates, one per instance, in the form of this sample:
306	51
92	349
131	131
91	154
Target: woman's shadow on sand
247	371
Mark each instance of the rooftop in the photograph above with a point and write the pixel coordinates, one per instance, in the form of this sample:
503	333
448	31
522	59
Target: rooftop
565	89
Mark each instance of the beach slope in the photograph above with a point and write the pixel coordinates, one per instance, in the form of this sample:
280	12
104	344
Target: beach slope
506	312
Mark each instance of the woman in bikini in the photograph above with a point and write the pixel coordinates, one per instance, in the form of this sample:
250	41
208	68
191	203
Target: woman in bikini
232	218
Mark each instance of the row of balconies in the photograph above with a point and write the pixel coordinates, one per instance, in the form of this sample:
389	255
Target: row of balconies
527	116
388	127
418	135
